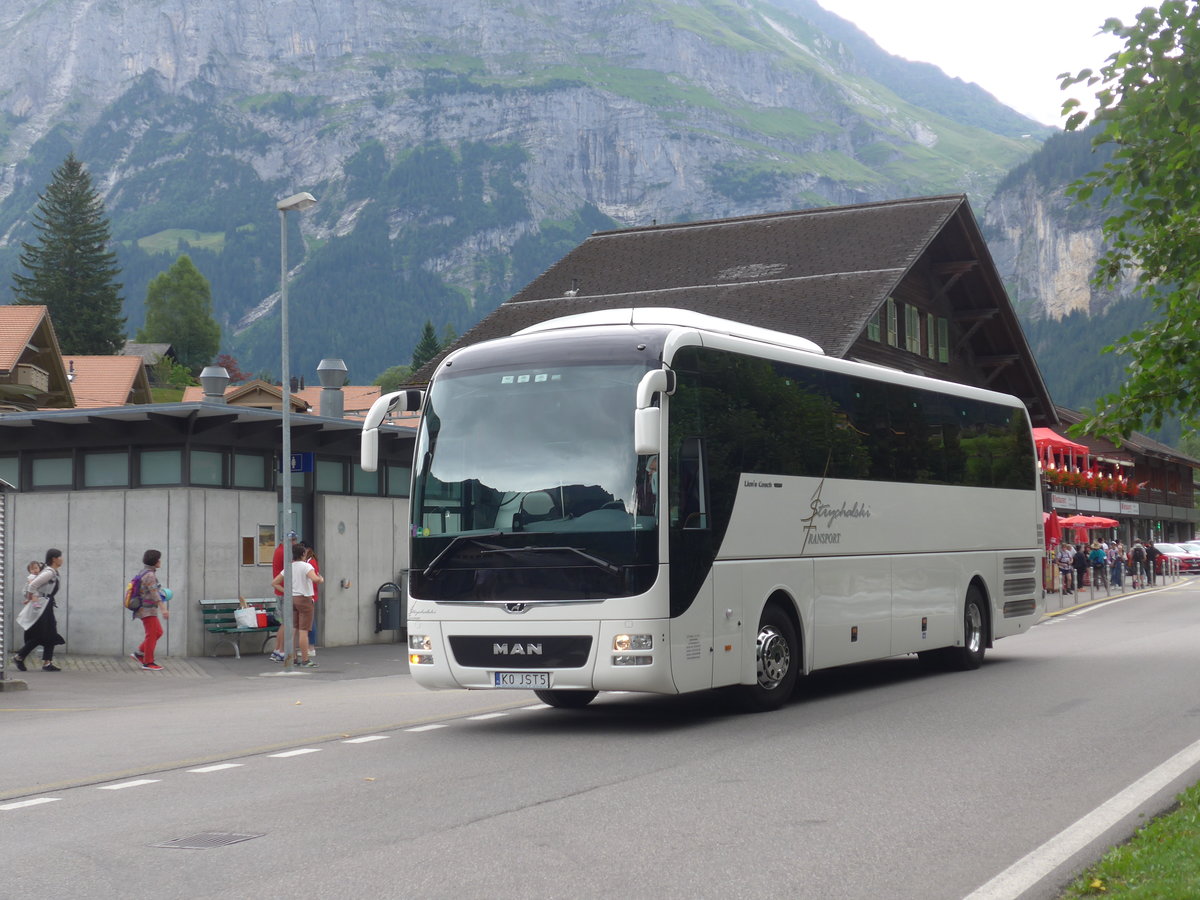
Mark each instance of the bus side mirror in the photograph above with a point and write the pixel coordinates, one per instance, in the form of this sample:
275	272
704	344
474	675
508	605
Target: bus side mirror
646	423
403	401
647	419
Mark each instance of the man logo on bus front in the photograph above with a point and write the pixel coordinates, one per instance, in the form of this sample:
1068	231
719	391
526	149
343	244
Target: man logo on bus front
516	607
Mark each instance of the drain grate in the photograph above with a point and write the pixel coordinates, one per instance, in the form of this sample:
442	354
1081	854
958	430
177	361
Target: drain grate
206	840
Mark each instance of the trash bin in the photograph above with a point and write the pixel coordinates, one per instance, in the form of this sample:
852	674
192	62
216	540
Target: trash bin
389	608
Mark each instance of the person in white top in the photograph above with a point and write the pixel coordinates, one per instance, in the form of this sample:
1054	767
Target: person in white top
304	581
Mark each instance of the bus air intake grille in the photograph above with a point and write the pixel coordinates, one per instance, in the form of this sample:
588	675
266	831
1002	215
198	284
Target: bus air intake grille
1015	565
522	652
1014	609
1014	587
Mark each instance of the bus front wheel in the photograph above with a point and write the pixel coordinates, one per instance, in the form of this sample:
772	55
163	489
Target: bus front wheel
777	662
566	699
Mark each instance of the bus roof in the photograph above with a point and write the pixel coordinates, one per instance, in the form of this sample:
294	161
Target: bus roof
682	318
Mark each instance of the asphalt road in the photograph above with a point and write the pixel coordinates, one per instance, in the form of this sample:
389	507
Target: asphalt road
878	781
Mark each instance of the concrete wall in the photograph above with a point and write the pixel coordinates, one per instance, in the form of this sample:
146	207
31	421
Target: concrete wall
362	541
103	534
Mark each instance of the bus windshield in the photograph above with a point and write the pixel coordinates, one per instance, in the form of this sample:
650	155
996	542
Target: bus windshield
531	471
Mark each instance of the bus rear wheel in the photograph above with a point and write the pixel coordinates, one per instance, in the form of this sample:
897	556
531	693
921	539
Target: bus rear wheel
974	646
777	662
566	699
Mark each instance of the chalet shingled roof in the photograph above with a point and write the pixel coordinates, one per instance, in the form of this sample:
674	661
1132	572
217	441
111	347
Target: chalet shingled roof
818	273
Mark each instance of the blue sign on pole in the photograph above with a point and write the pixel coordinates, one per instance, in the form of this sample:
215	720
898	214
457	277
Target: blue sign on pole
302	462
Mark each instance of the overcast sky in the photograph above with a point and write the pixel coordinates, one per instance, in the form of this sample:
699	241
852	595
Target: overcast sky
1013	49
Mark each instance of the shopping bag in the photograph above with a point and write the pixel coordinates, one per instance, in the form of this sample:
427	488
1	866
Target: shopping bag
246	617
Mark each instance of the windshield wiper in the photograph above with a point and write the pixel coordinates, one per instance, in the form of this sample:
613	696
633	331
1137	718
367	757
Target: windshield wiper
604	564
462	538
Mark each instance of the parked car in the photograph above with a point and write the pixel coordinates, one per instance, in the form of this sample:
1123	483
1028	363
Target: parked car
1189	560
1190	546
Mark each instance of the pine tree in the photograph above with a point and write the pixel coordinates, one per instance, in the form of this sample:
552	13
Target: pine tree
427	347
70	269
179	313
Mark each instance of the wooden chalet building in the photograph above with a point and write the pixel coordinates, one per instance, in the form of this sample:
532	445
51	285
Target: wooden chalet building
908	284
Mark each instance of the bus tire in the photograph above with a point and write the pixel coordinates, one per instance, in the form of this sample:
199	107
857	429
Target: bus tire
566	699
970	654
975	625
777	662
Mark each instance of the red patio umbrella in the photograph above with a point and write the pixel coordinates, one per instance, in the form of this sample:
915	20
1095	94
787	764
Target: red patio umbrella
1082	524
1053	528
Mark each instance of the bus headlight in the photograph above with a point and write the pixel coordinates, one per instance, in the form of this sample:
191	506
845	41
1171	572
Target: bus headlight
420	642
632	660
420	659
623	642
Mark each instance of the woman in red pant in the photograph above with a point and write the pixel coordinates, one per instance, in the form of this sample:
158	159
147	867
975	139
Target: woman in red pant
154	598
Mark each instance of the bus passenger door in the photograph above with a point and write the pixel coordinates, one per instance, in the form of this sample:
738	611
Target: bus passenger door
692	572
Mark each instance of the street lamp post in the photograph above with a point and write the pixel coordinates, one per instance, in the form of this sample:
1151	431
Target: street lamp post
295	203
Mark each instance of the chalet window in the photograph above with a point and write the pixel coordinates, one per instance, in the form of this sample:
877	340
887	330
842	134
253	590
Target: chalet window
893	329
160	467
207	467
10	470
943	340
930	337
873	326
52	471
331	476
365	482
106	470
398	478
912	329
249	470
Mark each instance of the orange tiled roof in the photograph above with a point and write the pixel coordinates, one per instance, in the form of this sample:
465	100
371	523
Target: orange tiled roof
103	380
356	398
257	393
17	325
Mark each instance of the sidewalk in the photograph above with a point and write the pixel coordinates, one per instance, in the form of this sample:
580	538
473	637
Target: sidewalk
94	674
1084	597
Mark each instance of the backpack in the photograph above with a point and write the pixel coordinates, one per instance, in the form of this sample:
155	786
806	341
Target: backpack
133	594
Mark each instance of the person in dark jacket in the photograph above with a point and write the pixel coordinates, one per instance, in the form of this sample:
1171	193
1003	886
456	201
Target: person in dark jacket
1152	555
1079	562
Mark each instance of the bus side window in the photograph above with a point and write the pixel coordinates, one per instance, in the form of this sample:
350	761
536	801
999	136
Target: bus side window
693	496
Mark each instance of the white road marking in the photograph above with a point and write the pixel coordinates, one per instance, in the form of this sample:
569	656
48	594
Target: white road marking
363	740
436	725
216	768
23	803
1032	868
128	784
299	752
487	716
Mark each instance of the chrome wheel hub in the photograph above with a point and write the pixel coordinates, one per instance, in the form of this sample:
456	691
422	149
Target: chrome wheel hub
774	657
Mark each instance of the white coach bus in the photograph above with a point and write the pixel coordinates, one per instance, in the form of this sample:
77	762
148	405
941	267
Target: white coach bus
656	500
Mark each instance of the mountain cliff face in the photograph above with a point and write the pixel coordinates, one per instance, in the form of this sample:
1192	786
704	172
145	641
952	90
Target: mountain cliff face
1046	246
455	149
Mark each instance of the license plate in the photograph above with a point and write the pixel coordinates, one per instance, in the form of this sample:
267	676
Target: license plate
523	680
